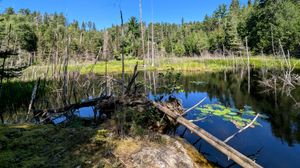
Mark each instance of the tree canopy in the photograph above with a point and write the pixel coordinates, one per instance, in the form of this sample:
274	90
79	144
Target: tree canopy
267	24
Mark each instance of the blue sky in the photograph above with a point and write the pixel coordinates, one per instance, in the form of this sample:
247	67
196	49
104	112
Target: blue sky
106	12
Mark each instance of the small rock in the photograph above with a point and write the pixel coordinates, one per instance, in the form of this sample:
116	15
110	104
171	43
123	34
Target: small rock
88	162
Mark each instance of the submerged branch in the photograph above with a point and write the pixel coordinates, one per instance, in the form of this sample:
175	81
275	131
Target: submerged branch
241	130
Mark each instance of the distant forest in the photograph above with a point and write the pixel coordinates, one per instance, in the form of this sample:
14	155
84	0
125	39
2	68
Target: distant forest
268	25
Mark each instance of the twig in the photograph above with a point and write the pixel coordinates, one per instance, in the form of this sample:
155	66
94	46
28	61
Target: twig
190	109
244	128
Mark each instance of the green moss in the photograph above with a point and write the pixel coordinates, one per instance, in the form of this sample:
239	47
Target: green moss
101	136
50	146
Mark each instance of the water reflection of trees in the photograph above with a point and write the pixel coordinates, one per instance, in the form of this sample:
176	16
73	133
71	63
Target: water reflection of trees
17	94
231	89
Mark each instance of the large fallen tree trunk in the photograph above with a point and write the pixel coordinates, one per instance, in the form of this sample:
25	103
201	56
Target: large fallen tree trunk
233	154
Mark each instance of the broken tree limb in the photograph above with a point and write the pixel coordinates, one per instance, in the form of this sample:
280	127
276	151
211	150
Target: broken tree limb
103	103
236	156
196	105
73	106
132	80
241	130
33	96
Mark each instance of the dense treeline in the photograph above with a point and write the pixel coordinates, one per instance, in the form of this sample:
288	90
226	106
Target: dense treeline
266	24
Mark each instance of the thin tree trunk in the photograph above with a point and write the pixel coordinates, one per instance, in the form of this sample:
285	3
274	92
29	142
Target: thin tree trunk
152	37
148	47
65	80
142	31
122	52
2	72
105	41
33	97
154	82
273	47
248	65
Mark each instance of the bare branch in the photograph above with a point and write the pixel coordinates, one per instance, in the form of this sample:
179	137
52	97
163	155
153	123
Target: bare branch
196	105
241	130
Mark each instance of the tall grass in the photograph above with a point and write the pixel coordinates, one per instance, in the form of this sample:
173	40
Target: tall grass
202	64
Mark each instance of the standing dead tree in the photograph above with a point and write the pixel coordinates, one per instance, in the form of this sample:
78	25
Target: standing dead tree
152	38
122	51
65	76
105	50
248	66
142	30
33	97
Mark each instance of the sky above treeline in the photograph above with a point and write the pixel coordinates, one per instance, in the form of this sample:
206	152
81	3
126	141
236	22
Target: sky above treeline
107	12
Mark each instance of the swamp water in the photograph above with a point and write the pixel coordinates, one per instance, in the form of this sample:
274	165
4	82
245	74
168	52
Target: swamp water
273	140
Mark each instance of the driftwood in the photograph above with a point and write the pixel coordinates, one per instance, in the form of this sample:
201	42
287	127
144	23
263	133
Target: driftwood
241	130
236	156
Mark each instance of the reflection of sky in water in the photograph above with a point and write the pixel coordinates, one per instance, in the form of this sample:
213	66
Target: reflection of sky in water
86	112
259	141
83	113
59	120
271	138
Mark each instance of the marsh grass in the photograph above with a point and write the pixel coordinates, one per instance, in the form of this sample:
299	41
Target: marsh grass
204	64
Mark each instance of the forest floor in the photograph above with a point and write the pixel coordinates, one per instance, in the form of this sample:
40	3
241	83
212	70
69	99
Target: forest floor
75	145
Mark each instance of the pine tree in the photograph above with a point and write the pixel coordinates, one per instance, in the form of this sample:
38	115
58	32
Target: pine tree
232	39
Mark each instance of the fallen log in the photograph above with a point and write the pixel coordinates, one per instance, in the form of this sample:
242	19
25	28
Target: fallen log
236	156
101	103
73	106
